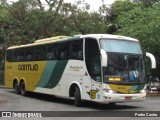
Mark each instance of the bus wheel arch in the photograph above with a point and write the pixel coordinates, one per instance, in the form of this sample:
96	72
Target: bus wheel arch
75	92
22	87
16	86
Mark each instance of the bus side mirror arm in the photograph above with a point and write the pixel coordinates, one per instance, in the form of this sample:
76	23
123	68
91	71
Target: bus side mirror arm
104	58
153	60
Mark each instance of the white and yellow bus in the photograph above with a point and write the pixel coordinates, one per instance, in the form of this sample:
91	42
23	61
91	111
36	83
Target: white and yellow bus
95	67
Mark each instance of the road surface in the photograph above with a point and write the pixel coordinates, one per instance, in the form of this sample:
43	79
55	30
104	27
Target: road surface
9	101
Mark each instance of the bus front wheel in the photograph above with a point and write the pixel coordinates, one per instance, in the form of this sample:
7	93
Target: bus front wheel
22	89
112	104
77	97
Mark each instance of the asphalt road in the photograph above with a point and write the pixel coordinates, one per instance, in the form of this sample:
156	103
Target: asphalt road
9	101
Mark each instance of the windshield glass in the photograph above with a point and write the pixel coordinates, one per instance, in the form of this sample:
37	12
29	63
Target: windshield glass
124	68
122	46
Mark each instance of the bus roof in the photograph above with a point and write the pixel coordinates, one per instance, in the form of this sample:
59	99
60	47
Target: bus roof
65	38
110	36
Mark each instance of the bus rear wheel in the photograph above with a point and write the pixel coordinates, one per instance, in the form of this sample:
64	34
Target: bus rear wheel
22	89
16	87
77	97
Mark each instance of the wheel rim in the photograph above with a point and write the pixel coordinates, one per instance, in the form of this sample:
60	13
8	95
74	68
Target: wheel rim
22	88
16	87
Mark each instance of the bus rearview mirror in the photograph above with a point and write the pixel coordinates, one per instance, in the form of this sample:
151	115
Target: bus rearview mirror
153	60
104	58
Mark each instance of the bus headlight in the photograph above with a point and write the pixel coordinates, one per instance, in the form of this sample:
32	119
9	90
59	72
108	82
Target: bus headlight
109	91
143	91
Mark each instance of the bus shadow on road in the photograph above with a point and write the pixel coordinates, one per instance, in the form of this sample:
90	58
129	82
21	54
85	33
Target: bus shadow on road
117	106
86	104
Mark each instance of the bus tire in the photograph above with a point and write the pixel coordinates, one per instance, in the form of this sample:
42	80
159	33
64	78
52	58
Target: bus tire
16	87
23	89
112	104
77	97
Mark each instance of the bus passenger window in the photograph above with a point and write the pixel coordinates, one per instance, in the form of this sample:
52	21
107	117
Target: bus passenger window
63	55
39	53
51	53
11	55
29	57
50	56
80	55
76	50
63	49
29	54
20	55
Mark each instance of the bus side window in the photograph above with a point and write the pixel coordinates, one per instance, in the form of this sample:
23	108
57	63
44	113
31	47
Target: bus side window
39	53
20	55
63	50
29	54
11	55
51	52
76	50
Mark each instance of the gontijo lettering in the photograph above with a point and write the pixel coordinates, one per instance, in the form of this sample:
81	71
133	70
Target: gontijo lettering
28	67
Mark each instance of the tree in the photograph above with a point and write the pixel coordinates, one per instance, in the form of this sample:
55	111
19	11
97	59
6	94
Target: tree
147	3
117	9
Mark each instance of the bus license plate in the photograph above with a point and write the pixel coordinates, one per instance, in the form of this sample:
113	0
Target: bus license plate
128	98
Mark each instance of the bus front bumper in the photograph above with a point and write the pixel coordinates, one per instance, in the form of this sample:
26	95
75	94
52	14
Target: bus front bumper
116	98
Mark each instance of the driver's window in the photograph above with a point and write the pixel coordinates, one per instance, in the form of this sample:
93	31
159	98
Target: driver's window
92	56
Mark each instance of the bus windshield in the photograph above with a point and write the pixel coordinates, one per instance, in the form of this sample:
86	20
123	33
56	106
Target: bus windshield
124	68
125	62
122	46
